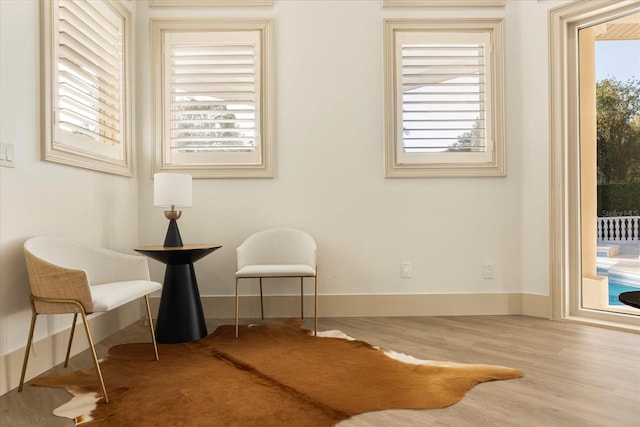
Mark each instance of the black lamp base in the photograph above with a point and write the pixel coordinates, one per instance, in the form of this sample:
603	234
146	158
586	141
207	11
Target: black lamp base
173	239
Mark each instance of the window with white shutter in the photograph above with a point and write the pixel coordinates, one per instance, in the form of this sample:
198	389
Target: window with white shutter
213	80
86	75
443	98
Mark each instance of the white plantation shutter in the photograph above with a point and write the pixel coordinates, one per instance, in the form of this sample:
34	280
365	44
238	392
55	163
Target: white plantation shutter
443	89
212	88
90	77
213	97
443	97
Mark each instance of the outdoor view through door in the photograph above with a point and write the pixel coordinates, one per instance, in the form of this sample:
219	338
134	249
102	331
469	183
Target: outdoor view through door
610	162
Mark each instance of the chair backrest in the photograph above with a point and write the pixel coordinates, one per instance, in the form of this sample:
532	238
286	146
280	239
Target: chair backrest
278	246
77	256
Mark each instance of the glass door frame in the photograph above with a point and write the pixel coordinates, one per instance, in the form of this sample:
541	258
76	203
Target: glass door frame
565	185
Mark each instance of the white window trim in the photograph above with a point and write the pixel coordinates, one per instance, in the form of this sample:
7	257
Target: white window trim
441	3
444	164
212	3
67	150
261	169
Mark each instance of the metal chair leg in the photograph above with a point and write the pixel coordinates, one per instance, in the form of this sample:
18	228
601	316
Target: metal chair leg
315	309
237	307
301	298
153	332
261	302
73	330
26	353
95	356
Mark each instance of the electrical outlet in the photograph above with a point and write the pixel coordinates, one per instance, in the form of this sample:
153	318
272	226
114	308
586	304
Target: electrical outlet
405	269
488	270
7	157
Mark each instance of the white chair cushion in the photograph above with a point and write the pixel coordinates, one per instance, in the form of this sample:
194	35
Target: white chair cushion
107	296
276	270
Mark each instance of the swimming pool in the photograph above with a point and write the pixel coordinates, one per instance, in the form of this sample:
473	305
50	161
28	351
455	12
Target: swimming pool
616	289
620	280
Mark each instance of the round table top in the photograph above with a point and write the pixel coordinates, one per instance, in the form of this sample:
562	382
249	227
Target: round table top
178	255
189	247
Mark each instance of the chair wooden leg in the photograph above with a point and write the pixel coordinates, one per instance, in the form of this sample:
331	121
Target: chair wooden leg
237	328
95	356
26	353
301	298
153	332
261	303
73	330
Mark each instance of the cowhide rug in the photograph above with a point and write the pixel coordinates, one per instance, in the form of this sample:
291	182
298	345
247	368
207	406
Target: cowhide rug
272	375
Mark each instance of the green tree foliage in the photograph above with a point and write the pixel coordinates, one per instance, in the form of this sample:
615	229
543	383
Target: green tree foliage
472	140
618	119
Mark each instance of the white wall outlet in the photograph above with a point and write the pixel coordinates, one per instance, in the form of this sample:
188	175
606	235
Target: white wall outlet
7	158
488	270
405	269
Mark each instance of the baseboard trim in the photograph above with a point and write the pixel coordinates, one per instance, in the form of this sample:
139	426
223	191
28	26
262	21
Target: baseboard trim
382	305
51	350
536	305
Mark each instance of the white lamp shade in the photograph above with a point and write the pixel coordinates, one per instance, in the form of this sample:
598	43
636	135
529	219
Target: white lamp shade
172	189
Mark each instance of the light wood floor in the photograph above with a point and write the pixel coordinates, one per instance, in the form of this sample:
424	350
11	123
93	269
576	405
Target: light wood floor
575	375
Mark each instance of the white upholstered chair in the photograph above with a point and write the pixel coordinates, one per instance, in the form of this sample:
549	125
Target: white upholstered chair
276	253
69	277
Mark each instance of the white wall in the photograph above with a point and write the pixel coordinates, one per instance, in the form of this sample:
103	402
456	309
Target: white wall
328	167
43	198
329	174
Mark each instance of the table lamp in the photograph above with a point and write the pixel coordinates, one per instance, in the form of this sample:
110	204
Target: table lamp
172	190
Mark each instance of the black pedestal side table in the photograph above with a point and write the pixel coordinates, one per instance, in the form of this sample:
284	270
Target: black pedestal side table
180	316
631	298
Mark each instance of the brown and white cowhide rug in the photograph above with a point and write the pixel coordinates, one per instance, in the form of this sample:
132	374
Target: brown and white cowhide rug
272	375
